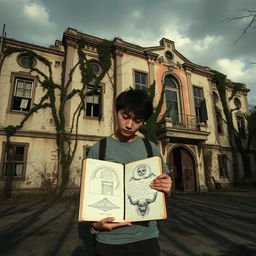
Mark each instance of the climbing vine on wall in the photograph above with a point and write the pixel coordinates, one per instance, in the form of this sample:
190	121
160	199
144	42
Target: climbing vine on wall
235	139
56	96
150	128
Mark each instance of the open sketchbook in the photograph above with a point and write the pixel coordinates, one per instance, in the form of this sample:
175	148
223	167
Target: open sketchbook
122	191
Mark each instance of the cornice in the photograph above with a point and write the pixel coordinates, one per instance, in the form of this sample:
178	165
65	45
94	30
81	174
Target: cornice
48	135
230	85
73	35
51	49
198	69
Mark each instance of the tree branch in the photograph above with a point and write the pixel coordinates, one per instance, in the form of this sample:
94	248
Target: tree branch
251	15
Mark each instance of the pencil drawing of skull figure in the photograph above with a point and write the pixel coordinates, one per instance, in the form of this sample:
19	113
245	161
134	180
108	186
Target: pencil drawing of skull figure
142	204
142	171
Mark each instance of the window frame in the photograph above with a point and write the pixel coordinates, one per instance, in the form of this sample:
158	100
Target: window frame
169	55
177	91
223	163
14	79
241	129
22	55
219	124
24	161
141	86
100	88
237	103
199	110
96	62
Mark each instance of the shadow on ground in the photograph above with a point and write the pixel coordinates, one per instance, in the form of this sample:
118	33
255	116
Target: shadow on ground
208	224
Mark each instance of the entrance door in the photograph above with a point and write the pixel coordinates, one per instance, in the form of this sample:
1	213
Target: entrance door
182	163
187	164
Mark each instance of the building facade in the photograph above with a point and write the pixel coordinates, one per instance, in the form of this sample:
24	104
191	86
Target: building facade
193	137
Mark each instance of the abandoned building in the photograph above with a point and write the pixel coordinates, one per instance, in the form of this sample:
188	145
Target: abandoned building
193	136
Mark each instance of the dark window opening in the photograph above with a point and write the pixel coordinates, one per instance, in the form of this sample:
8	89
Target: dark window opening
241	126
14	161
237	103
96	68
200	105
26	61
168	55
223	170
218	121
93	103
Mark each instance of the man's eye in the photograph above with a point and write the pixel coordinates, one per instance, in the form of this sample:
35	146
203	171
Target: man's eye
125	116
137	121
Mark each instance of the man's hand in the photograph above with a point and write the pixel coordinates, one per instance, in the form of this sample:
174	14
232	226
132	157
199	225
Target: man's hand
108	224
162	183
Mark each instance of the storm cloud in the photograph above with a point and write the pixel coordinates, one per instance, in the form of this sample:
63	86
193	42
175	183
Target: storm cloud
199	28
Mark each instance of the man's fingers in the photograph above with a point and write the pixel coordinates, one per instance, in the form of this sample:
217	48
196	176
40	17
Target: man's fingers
162	183
111	226
108	219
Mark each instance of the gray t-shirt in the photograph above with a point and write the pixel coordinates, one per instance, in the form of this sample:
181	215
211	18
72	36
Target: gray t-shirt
126	152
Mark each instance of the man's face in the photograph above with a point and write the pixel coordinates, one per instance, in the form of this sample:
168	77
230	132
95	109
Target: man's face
128	123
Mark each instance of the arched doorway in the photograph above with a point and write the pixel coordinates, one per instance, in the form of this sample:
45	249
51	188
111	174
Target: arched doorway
183	167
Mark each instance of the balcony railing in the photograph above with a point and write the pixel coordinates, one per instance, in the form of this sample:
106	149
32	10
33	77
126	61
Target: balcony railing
182	121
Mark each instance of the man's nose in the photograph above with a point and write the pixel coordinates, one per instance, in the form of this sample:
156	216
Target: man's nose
129	123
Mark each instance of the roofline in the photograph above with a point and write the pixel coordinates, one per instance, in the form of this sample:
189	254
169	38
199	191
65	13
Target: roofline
22	44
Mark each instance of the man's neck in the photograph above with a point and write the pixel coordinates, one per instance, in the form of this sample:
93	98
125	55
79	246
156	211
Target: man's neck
119	137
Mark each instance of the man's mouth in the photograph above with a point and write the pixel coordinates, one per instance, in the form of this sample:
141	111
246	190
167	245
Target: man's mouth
127	132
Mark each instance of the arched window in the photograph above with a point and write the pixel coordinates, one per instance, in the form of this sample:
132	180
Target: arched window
237	103
172	98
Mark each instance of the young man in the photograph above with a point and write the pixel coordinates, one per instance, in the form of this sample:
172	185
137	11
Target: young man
133	108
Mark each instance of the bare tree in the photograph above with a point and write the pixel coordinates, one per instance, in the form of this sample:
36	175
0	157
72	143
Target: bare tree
249	17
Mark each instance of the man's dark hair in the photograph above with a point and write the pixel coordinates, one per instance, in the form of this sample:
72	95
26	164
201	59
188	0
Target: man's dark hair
136	101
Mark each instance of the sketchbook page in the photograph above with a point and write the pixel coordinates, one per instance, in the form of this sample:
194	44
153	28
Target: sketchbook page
102	190
141	202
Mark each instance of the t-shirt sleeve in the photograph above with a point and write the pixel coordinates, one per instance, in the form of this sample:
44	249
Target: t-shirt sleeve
156	152
94	151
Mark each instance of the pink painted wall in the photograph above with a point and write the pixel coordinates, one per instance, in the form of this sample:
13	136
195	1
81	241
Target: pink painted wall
180	73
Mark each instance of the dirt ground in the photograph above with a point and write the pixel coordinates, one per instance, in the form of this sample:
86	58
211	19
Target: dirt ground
198	224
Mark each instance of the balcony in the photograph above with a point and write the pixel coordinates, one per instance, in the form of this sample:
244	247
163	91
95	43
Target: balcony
182	128
182	121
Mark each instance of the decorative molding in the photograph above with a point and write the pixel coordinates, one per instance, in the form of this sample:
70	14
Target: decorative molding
48	135
24	45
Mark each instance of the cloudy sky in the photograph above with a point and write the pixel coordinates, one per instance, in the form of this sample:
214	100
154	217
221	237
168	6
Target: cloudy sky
199	28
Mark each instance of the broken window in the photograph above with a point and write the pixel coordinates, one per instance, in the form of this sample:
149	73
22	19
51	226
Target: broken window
22	95
93	102
14	161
